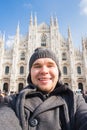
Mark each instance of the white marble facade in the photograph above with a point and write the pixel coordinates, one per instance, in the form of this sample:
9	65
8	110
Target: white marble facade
14	61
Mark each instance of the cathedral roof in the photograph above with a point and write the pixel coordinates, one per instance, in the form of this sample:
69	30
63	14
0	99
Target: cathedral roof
43	26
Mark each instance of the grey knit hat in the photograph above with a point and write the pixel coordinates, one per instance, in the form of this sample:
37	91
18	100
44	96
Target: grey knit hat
42	53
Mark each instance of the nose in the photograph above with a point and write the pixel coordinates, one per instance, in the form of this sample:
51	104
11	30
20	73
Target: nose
44	70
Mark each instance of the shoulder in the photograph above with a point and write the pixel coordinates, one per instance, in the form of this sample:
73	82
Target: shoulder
8	119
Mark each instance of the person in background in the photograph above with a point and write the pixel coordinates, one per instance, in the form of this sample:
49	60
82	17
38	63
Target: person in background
2	95
85	96
46	103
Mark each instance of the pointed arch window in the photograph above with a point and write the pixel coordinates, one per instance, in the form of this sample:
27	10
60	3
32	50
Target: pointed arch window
22	56
64	57
80	86
79	70
22	70
7	70
65	70
43	40
20	87
5	87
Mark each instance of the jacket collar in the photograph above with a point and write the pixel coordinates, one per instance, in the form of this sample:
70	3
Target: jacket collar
51	102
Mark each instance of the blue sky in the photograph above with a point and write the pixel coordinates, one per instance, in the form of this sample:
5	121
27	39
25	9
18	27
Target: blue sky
71	13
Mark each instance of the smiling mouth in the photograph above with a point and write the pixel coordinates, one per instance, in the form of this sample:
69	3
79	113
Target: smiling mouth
44	79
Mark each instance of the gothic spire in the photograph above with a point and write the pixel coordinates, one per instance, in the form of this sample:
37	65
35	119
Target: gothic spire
69	35
17	33
31	19
18	29
51	21
35	19
56	22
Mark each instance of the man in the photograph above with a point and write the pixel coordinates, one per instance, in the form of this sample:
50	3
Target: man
47	104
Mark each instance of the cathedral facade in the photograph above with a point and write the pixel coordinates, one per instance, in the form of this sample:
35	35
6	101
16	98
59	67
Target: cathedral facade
14	62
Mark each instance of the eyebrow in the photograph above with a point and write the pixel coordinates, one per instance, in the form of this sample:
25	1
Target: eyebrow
49	62
36	64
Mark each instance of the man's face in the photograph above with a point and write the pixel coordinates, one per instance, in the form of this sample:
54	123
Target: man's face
44	74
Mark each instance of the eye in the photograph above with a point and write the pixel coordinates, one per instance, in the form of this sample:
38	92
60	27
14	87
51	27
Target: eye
51	65
37	66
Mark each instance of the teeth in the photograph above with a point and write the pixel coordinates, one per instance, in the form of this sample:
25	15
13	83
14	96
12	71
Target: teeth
44	79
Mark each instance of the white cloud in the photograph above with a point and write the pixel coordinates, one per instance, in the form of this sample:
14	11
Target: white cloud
83	7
